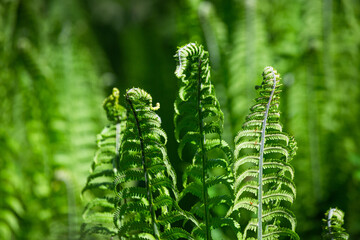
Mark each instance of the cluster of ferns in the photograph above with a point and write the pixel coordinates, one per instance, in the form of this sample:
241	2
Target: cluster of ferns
240	193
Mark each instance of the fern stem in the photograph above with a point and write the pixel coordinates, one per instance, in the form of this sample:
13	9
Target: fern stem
202	145
117	148
145	168
331	211
261	159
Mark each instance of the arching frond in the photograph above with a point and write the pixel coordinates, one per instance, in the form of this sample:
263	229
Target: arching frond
146	182
263	176
198	127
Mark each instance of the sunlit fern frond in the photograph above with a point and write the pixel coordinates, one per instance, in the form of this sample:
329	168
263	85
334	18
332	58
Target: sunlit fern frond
264	183
98	213
332	225
146	182
198	127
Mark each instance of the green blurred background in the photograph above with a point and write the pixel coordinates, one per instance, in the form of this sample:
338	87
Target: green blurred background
60	58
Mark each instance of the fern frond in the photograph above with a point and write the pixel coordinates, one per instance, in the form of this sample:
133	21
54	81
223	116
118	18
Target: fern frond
263	175
146	182
11	206
332	225
175	233
98	213
198	127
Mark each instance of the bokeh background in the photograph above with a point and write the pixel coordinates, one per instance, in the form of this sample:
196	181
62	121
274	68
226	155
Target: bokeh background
60	58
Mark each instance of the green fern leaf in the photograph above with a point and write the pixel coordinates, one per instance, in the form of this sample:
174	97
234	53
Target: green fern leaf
11	206
332	225
175	233
98	213
198	127
146	182
263	176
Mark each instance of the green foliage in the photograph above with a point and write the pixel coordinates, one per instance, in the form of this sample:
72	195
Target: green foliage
58	57
263	174
11	206
147	200
98	213
43	75
247	56
114	112
146	183
332	225
198	126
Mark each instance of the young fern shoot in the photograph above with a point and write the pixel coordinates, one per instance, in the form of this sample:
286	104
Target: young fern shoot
198	127
98	213
332	225
263	175
146	183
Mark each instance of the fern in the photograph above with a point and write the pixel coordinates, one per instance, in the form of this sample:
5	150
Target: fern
263	175
198	126
98	213
332	225
146	183
11	205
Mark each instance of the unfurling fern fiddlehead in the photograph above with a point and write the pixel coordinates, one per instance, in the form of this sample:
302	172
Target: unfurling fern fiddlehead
198	126
98	213
332	225
263	175
146	183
